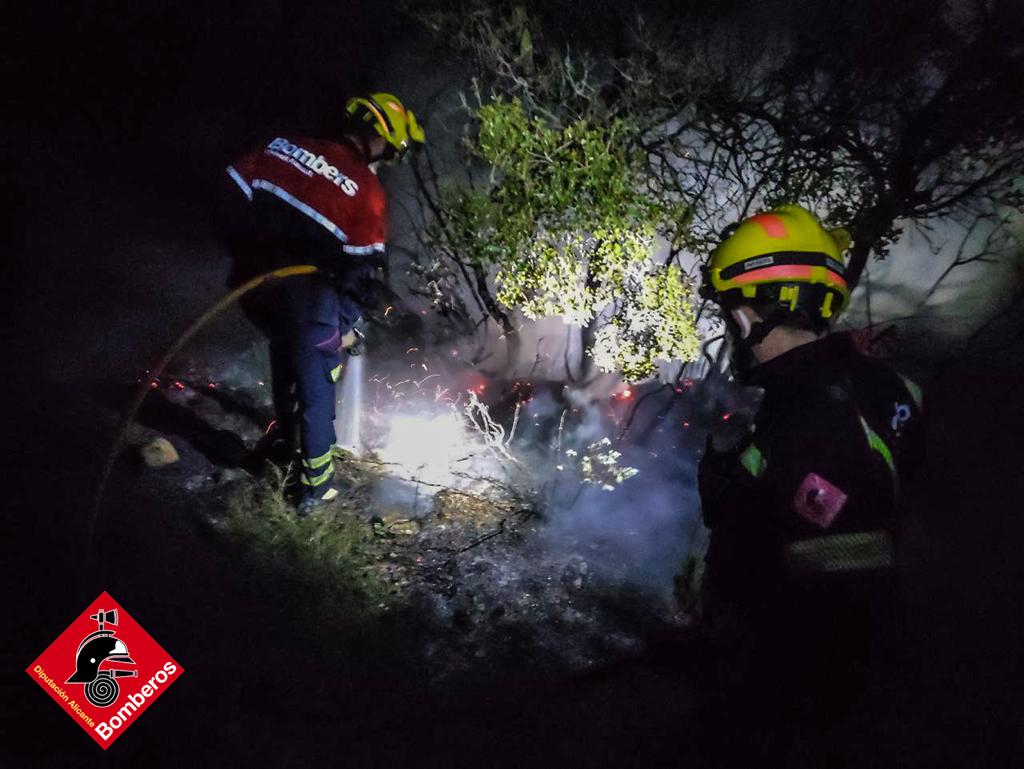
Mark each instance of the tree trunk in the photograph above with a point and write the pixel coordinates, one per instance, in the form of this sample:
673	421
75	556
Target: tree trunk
859	253
513	343
587	370
868	230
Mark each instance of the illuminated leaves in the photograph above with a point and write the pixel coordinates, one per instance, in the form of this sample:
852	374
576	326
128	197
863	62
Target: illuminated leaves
570	228
643	332
599	465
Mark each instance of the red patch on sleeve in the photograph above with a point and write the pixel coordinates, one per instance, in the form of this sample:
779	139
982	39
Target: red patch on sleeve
819	501
772	225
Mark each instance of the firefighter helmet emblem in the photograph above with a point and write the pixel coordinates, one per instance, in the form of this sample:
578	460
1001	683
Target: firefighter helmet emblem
96	650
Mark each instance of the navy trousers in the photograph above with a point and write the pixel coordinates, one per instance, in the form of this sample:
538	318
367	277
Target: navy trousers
305	318
317	365
317	318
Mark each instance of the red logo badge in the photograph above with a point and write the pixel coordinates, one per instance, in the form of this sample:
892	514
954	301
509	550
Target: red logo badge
819	501
105	670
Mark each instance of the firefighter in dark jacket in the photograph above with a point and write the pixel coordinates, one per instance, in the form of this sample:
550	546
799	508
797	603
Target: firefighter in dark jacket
804	510
319	202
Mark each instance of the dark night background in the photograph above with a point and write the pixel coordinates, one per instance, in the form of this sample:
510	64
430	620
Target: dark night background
120	118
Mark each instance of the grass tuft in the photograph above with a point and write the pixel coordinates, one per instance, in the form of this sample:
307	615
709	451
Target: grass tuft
327	559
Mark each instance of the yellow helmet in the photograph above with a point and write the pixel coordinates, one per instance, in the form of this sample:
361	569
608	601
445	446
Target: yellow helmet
782	257
389	117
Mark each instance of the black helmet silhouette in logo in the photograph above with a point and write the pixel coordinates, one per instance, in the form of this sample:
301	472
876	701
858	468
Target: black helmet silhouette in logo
96	649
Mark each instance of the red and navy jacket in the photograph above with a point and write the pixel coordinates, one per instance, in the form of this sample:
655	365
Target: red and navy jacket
328	182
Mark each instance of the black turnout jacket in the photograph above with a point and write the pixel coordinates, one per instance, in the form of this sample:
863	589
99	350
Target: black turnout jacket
818	484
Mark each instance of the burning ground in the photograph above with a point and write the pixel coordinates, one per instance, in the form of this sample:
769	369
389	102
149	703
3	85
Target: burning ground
519	525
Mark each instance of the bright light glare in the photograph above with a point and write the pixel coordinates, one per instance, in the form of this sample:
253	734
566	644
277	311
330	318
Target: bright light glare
427	448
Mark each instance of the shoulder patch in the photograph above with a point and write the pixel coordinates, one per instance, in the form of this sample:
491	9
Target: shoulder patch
819	501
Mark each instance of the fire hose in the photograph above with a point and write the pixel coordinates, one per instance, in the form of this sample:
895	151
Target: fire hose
154	373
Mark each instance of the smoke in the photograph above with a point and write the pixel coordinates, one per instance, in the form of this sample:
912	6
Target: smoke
611	468
638	530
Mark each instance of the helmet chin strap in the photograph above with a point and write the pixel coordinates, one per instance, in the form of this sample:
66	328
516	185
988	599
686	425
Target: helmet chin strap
760	330
742	321
746	335
751	334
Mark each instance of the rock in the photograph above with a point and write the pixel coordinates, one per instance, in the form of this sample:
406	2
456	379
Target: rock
404	528
228	475
159	452
391	525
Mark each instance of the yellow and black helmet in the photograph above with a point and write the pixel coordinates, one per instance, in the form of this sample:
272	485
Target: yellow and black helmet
389	117
783	257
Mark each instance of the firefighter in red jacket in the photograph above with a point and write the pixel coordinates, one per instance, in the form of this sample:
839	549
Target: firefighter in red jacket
318	201
804	510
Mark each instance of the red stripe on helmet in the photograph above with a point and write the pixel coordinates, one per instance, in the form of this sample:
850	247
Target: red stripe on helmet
772	224
783	272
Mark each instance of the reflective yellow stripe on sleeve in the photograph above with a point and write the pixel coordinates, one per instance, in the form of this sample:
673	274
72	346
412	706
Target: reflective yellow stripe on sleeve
875	441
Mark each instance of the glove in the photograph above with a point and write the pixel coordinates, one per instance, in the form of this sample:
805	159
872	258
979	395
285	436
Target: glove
354	340
359	346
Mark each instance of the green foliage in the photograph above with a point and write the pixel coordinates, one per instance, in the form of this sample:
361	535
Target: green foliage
327	557
911	120
644	331
571	227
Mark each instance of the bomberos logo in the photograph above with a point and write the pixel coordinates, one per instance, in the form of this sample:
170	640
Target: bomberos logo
310	163
105	670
